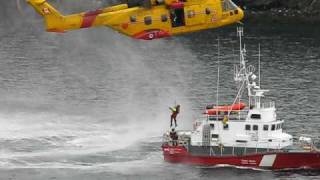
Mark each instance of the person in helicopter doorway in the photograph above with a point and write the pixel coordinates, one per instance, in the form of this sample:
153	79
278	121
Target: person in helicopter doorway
174	137
174	113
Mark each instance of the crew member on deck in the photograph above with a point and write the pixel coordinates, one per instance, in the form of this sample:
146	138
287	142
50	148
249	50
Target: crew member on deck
174	112
174	137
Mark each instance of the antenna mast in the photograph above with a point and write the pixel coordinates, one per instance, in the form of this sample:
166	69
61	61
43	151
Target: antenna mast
242	69
259	67
218	80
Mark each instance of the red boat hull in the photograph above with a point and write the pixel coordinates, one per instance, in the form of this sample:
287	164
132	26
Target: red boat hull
272	160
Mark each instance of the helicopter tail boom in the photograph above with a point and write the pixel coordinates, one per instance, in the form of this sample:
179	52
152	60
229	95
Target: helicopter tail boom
56	22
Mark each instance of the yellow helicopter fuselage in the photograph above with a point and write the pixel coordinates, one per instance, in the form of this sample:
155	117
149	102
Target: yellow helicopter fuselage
168	18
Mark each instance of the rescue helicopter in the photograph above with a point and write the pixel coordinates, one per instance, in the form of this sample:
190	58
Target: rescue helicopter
145	19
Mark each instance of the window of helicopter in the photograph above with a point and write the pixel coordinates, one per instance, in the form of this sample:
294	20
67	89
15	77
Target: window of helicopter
208	11
255	127
133	19
265	127
273	127
228	5
191	13
164	18
248	127
148	20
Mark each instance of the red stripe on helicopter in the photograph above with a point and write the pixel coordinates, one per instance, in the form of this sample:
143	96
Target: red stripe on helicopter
89	18
151	34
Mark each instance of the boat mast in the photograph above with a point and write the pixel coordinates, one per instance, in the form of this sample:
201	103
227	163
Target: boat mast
218	79
259	67
242	69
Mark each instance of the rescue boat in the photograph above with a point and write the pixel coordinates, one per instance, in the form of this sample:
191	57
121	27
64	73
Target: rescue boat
252	137
225	109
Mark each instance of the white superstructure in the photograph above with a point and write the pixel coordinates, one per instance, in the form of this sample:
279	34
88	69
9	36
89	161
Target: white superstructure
256	126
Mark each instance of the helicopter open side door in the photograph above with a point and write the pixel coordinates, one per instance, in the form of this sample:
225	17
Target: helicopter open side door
177	14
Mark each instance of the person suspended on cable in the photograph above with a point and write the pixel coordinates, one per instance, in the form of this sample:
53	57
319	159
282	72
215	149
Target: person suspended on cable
174	113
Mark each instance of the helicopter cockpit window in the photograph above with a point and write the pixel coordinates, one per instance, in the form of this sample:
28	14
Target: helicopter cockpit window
134	3
158	2
228	5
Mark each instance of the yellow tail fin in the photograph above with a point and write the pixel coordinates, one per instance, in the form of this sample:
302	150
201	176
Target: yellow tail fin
53	18
55	21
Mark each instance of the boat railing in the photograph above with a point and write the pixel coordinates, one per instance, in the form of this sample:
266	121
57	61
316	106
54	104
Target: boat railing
183	140
239	115
268	146
307	142
244	149
266	105
233	116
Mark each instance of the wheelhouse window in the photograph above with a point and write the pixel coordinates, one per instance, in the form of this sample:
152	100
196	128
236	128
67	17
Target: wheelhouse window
212	126
215	136
247	127
255	127
255	116
273	127
265	127
241	141
226	126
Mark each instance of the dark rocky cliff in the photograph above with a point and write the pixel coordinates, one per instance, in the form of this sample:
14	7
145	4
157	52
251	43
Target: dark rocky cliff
307	11
307	6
